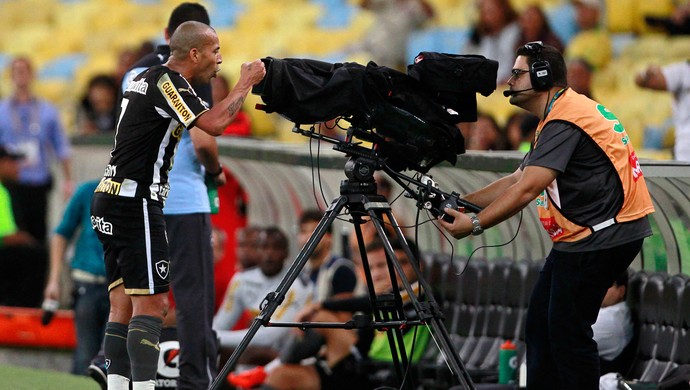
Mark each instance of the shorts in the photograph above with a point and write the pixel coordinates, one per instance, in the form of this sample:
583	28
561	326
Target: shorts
135	245
345	375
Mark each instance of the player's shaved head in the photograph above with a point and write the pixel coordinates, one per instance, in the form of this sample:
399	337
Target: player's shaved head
191	35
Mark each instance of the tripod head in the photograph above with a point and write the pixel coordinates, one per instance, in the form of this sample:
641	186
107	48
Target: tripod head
363	162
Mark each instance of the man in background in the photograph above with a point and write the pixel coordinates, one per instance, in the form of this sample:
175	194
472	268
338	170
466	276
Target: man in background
333	276
32	127
674	78
19	251
87	270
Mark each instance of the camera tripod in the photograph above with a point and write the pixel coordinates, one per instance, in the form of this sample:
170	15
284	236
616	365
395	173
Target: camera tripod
359	196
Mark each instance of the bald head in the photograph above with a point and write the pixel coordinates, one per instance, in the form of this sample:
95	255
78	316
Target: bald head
191	35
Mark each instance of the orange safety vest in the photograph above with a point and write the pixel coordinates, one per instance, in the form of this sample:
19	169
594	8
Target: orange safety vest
606	130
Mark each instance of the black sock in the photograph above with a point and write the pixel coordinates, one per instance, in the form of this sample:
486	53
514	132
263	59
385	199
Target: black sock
115	349
142	344
301	347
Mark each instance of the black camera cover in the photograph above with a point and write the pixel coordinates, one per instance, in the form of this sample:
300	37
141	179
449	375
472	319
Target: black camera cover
415	130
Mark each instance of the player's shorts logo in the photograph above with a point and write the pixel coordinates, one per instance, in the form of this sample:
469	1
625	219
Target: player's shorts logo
98	223
162	268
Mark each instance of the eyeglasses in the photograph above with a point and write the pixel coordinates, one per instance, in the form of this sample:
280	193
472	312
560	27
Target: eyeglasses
534	47
515	73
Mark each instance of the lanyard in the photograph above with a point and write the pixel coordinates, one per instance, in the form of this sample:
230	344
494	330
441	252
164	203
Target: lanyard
548	110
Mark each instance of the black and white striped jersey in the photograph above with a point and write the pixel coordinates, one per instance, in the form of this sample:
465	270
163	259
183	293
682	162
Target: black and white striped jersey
156	107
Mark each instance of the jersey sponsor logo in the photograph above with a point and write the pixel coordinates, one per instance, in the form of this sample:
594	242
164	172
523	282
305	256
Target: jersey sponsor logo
109	186
172	95
552	227
110	170
617	126
139	86
177	133
635	164
98	223
162	268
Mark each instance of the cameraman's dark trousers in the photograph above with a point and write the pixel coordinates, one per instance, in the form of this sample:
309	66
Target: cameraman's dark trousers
565	302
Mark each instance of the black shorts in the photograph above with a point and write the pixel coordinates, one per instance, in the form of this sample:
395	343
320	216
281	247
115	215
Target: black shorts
135	245
345	375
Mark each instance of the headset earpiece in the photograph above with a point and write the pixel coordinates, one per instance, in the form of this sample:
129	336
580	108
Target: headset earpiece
540	75
540	71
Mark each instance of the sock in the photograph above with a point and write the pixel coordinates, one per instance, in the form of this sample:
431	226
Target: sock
117	382
115	351
146	385
142	345
301	347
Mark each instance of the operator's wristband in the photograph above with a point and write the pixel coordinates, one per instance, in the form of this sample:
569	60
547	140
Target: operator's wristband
214	174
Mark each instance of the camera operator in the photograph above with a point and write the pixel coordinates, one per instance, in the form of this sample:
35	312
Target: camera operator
592	200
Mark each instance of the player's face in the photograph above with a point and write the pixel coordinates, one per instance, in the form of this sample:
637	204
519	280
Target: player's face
209	59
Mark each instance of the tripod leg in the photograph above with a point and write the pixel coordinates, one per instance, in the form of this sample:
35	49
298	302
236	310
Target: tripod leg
431	313
275	298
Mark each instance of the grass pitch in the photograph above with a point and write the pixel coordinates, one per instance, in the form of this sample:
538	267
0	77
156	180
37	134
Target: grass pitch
22	378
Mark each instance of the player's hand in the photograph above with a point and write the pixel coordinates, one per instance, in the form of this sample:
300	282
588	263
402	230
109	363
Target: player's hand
253	72
460	227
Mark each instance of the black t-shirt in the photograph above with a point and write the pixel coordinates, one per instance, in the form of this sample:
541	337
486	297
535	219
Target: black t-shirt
156	107
589	188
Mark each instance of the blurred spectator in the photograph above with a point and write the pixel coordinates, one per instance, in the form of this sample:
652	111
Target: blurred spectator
520	129
240	126
32	126
495	35
535	27
580	74
331	275
90	285
247	291
341	353
125	60
98	110
22	261
674	78
248	248
485	134
394	20
592	42
677	24
218	239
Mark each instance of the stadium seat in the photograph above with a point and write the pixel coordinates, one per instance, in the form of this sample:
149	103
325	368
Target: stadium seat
644	365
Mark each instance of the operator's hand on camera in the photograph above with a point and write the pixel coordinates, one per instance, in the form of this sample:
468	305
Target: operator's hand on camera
461	226
253	72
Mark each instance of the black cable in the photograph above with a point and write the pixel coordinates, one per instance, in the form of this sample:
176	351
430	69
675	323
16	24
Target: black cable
492	246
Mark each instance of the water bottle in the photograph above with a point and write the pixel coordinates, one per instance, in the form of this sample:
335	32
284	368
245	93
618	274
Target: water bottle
507	363
49	308
213	199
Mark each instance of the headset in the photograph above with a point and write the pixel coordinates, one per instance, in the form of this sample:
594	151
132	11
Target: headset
540	70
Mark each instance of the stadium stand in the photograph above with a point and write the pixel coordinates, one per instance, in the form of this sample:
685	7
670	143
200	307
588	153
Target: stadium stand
71	40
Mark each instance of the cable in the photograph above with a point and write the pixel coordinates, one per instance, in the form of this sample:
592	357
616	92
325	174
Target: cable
492	246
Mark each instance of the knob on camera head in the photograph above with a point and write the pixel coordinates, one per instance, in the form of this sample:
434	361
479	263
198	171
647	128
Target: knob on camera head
436	201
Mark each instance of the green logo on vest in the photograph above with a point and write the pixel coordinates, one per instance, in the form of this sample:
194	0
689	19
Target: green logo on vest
617	126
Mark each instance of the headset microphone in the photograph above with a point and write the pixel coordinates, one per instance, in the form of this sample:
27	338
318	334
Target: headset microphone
508	93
